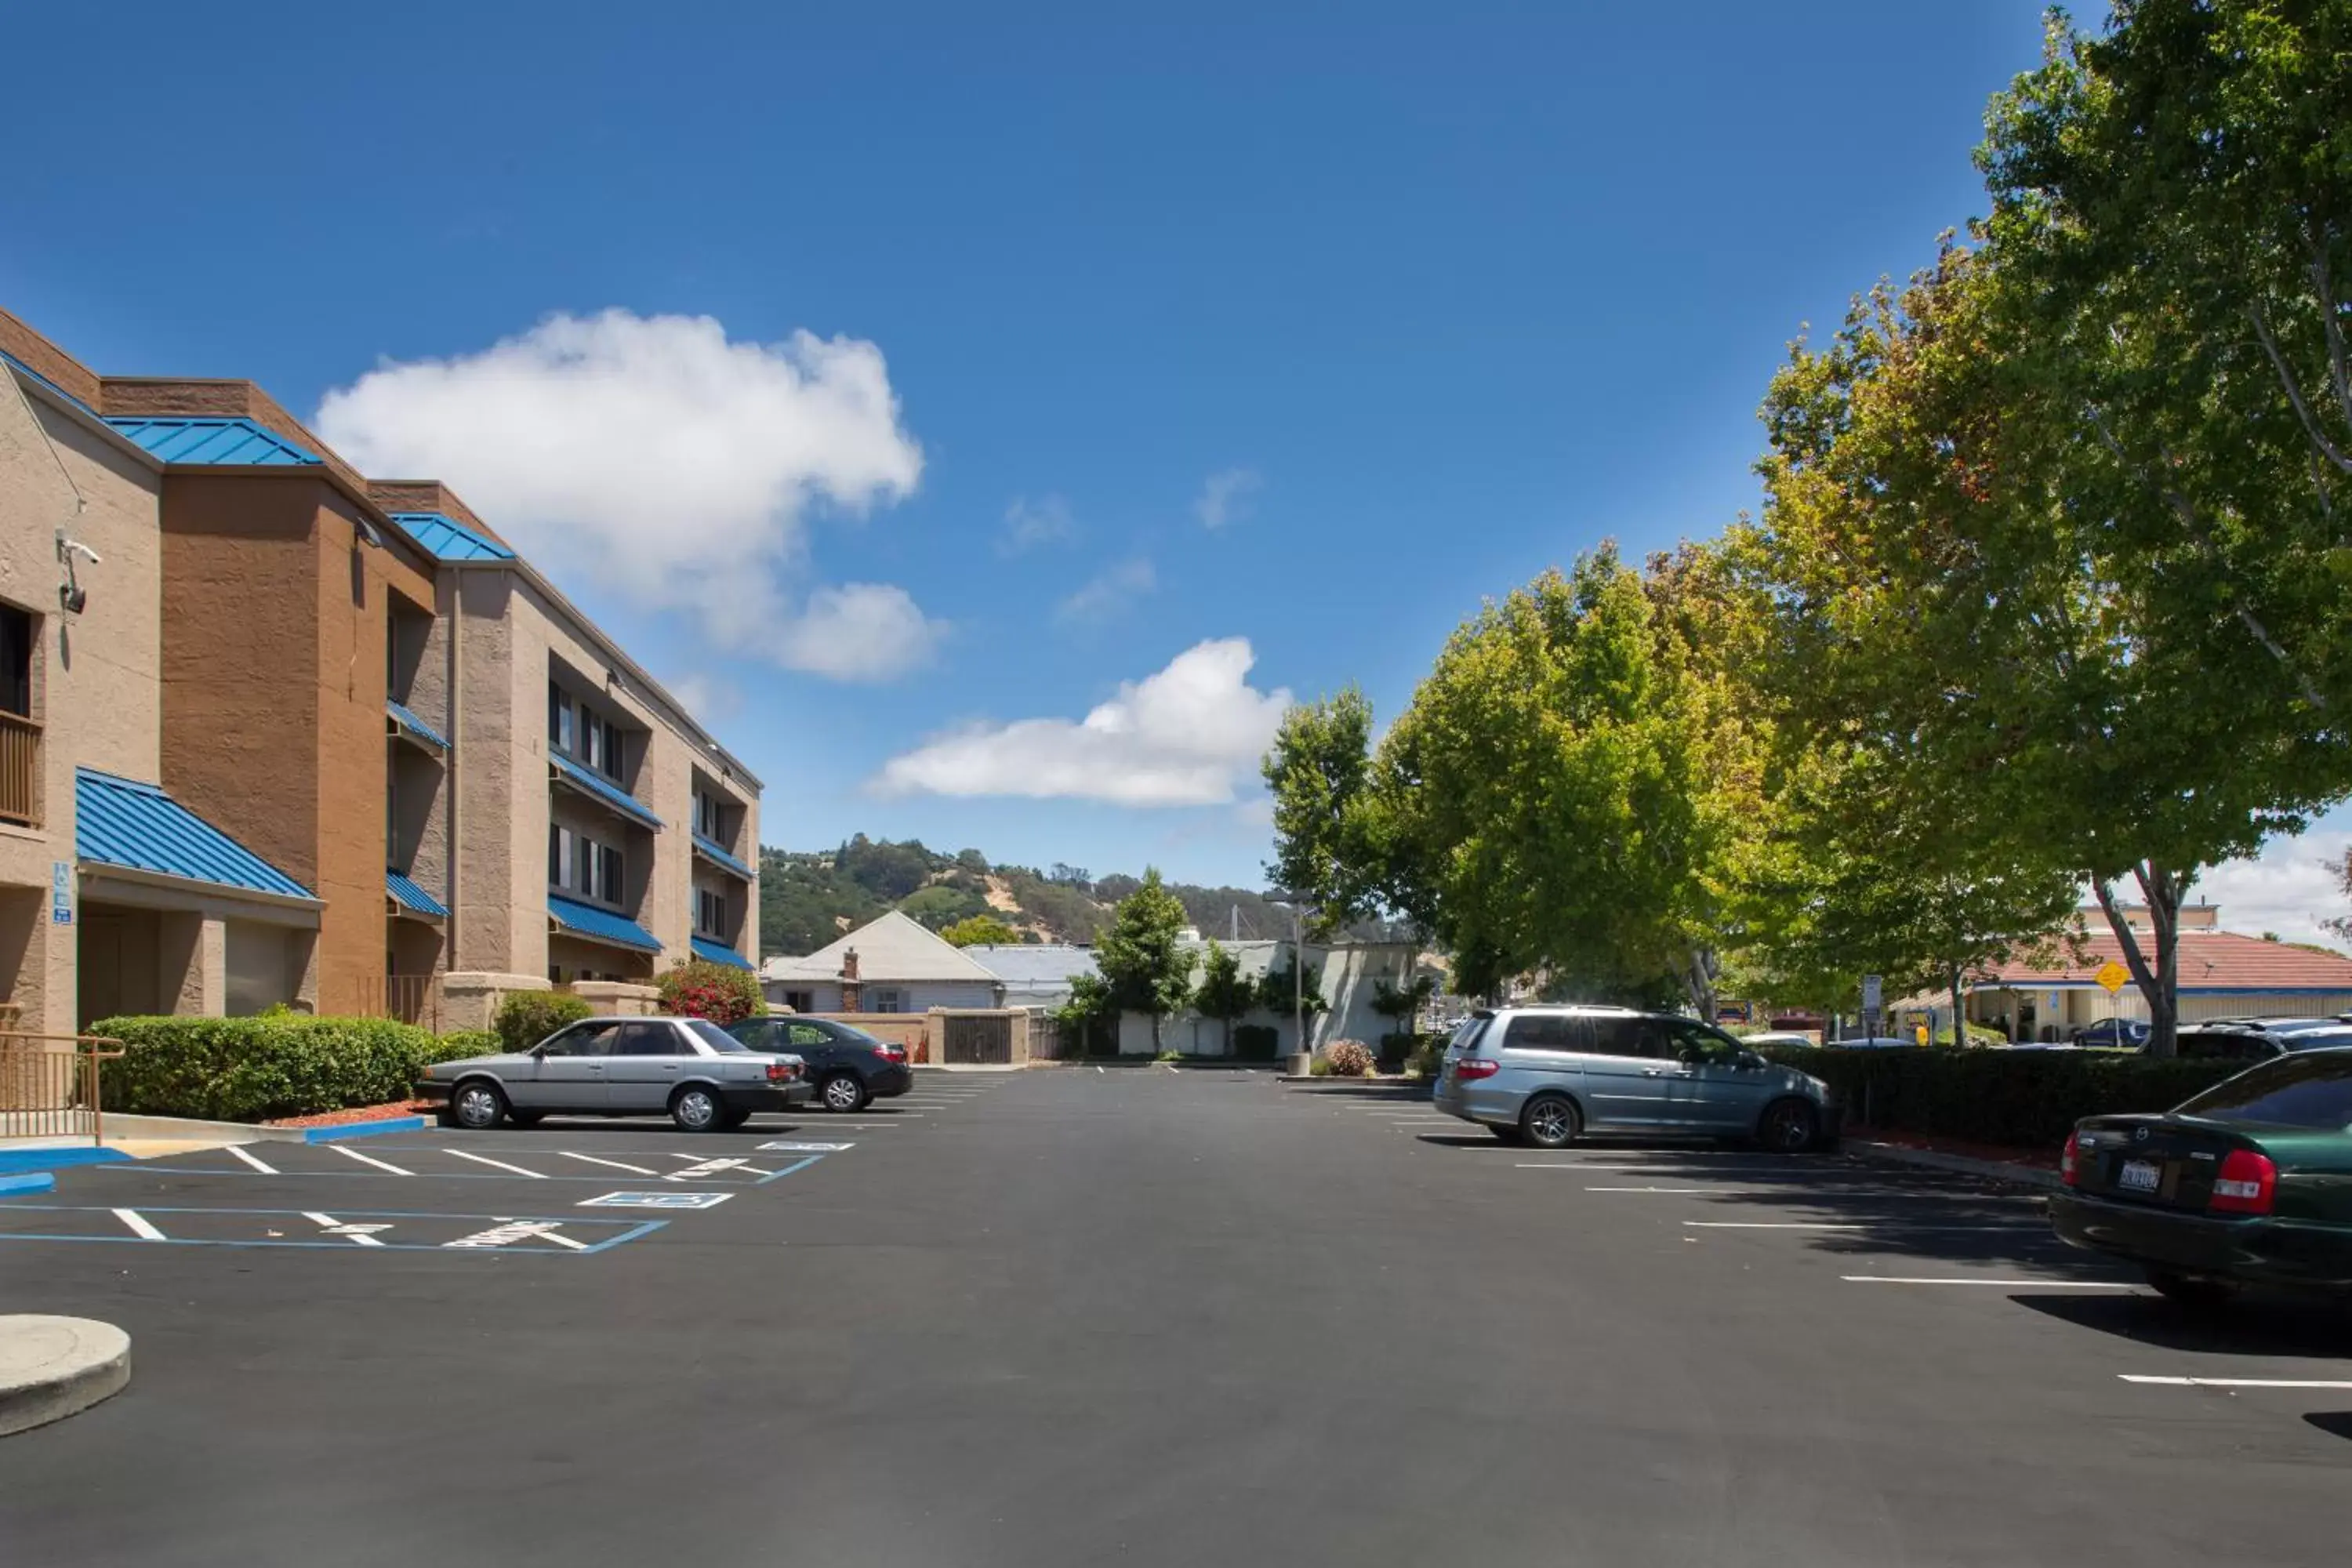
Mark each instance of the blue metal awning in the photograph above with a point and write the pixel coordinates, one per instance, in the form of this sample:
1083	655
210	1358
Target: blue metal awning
235	442
446	539
413	727
408	895
577	919
597	787
122	822
723	860
719	953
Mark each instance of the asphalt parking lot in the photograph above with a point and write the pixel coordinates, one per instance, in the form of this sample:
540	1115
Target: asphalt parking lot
1070	1317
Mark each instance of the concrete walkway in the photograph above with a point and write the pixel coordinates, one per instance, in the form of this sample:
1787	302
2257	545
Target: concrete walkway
51	1368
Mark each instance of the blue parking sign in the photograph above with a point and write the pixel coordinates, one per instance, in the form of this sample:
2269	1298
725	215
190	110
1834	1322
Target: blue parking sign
61	888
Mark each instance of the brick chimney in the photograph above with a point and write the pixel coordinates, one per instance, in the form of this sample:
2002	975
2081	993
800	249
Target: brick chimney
852	994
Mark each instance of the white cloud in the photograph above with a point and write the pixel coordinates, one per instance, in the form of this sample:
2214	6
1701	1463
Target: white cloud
2289	888
670	464
1029	524
1225	496
1109	592
1180	737
859	631
704	696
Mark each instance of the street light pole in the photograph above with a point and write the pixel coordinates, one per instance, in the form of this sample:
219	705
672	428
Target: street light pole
1302	1059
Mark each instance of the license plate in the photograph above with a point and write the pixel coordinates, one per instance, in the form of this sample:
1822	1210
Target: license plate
2140	1176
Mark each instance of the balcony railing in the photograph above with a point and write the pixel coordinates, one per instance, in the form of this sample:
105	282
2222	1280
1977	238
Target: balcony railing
20	770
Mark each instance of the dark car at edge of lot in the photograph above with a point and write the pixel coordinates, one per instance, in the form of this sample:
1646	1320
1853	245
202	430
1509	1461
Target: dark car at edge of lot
850	1068
2249	1182
2121	1034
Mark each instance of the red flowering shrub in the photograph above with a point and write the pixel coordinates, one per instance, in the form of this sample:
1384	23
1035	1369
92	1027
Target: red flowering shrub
719	992
1348	1058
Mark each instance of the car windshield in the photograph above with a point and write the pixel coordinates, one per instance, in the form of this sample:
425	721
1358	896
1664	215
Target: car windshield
2317	1039
711	1034
2313	1091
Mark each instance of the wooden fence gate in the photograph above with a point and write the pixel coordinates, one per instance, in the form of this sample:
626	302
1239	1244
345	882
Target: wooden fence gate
977	1041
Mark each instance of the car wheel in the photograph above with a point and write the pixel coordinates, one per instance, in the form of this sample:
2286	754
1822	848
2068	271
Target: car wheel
525	1118
477	1105
842	1091
1550	1121
2192	1291
1789	1127
696	1108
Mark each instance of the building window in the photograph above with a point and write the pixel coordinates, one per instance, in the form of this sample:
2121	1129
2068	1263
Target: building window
886	999
17	635
560	719
705	818
710	913
578	865
800	1001
582	733
602	744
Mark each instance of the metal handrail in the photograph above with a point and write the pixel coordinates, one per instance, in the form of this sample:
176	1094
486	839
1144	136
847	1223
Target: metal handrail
25	1078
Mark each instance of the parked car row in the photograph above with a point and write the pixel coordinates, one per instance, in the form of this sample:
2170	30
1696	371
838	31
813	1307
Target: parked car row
1548	1075
704	1077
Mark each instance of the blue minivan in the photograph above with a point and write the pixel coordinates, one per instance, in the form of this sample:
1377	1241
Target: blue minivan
1547	1075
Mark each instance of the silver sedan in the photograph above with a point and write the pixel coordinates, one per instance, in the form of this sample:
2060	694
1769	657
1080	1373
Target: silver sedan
687	1069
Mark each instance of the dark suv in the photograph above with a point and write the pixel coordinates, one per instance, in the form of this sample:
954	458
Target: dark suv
850	1068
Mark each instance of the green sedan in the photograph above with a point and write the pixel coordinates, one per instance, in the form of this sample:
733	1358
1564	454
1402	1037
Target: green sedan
2247	1183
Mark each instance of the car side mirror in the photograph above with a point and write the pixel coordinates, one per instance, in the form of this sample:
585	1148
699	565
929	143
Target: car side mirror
1751	1062
538	1053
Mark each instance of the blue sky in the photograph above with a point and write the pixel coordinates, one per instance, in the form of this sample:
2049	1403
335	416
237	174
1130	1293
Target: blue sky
1410	305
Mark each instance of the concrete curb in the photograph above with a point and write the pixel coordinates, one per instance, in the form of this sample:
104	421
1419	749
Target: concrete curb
51	1368
1955	1165
28	1181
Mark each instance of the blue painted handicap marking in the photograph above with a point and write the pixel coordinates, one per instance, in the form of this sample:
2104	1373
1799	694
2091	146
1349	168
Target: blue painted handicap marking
657	1201
788	1148
349	1230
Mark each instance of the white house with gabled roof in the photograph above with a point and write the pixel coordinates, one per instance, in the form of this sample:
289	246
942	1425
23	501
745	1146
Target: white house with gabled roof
892	965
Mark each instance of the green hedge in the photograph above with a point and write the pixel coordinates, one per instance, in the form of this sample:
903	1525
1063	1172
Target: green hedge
252	1069
526	1018
2021	1098
460	1043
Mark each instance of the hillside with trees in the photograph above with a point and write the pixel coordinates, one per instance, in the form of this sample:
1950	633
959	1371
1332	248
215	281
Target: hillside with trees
807	898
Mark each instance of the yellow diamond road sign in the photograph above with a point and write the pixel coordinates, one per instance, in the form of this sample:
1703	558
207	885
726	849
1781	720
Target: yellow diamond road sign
2112	975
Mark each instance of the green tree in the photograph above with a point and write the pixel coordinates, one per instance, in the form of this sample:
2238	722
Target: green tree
1978	598
1223	993
978	931
1554	797
1317	772
1145	967
940	906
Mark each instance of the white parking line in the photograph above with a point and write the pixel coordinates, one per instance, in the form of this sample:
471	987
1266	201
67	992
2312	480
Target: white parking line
1097	1066
350	1153
264	1170
592	1160
501	1164
2232	1382
359	1234
138	1224
1998	1284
